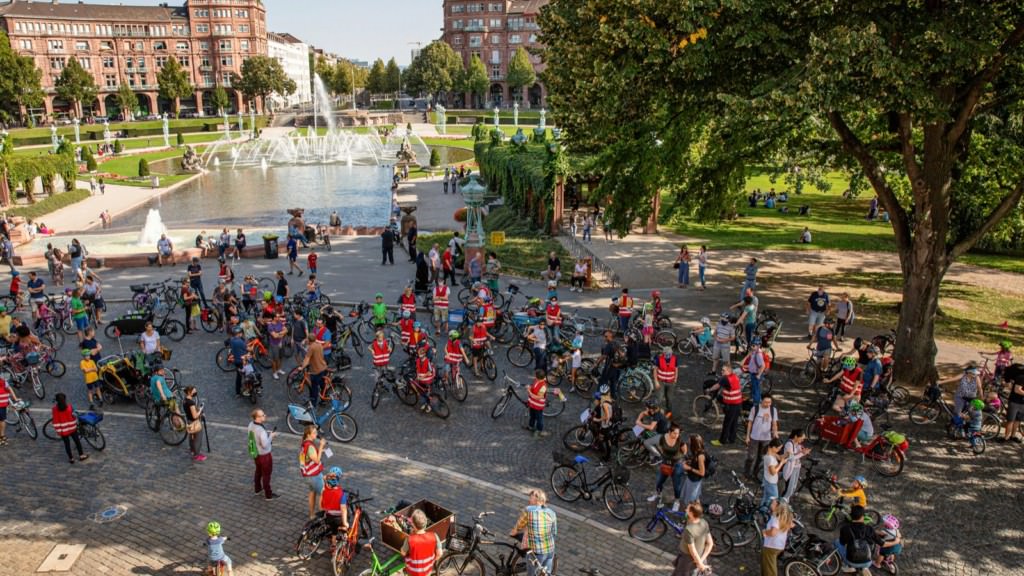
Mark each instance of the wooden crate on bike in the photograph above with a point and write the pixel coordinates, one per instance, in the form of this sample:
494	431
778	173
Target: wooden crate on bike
440	518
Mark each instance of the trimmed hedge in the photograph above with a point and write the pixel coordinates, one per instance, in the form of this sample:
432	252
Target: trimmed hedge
50	204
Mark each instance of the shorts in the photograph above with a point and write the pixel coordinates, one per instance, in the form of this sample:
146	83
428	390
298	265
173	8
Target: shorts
82	323
275	351
226	560
99	304
863	437
479	352
3	413
278	299
315	483
90	386
720	352
440	315
1015	412
333	521
891	551
815	318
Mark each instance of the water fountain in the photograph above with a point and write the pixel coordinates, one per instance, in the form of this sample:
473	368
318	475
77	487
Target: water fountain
153	229
167	133
106	132
227	125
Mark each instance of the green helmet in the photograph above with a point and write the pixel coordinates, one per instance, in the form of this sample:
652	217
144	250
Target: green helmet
379	295
86	352
849	362
978	404
213	528
855	407
453	335
1006	345
267	295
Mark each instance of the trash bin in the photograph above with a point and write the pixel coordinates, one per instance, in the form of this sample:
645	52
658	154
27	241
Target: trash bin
270	247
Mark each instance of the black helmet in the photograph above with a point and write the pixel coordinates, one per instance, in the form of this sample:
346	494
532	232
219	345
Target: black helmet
651	404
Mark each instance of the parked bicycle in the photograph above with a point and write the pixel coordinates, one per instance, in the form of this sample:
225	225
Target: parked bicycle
19	418
837	512
470	549
929	409
88	429
342	425
569	482
653	528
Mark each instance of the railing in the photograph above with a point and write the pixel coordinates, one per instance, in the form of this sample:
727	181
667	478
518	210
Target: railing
597	266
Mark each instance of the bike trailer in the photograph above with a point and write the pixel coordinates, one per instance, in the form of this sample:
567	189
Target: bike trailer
300	413
837	430
92	418
393	535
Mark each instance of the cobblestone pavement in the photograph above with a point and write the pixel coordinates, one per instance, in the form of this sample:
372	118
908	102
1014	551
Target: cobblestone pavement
961	513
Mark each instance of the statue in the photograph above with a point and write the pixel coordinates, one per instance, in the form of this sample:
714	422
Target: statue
191	162
543	118
496	112
406	154
515	114
53	136
519	139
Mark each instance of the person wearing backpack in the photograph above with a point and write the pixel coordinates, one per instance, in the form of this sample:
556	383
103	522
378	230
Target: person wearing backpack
762	427
857	541
260	444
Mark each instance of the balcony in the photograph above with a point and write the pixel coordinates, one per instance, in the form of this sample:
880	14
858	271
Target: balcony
475	28
497	77
206	68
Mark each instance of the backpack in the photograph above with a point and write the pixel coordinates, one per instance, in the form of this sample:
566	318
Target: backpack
620	357
859	551
710	465
253	450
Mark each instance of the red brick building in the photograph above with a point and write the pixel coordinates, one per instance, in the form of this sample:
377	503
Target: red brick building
493	30
122	44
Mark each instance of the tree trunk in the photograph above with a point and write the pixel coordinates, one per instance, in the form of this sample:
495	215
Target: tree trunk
915	351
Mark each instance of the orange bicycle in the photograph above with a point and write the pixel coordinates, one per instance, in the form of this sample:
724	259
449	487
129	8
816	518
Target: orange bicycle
298	380
255	346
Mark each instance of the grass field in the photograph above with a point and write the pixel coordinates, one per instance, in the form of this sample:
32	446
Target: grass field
133	143
836	223
69	131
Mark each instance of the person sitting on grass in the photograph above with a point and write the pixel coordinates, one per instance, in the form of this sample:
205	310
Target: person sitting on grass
805	236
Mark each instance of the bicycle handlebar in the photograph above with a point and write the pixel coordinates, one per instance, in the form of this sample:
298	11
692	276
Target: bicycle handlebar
482	515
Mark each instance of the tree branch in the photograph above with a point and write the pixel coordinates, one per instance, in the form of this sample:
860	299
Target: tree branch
907	150
971	94
853	145
1008	203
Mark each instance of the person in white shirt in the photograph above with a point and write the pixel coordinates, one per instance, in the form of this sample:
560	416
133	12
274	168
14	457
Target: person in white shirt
794	450
775	534
762	427
263	440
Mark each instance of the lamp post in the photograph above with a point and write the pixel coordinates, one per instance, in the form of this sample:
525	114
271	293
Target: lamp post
473	196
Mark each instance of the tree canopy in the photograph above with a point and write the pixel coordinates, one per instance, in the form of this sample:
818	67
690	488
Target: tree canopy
520	72
76	85
220	99
174	82
19	81
262	76
435	71
920	99
393	76
476	81
376	82
127	101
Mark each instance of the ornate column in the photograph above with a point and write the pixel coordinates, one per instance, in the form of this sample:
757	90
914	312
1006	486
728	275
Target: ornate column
473	196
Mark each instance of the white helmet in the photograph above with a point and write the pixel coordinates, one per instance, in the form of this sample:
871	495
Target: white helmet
705	320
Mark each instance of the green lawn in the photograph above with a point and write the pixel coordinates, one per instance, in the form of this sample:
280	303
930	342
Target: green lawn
132	143
128	166
69	130
464	143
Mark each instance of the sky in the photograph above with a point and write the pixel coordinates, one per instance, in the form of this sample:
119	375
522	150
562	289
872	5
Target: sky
355	29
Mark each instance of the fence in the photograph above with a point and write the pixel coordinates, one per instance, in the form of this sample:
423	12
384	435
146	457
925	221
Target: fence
597	266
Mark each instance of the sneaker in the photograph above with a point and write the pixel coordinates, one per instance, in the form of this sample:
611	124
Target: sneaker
427	409
544	434
199	457
273	497
246	393
257	492
276	377
716	443
1016	439
653	497
675	506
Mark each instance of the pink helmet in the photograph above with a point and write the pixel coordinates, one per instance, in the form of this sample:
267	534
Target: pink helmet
891	522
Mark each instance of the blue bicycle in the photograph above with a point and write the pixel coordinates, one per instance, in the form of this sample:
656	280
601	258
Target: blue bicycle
650	529
342	425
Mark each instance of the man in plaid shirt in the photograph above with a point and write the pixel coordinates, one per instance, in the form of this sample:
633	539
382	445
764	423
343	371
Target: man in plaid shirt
538	527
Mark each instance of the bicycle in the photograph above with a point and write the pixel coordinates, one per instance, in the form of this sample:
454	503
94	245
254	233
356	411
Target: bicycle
88	429
255	347
333	388
359	528
821	485
394	565
466	553
342	425
551	409
810	374
838	512
569	482
25	368
453	383
929	409
167	420
388	381
653	528
19	417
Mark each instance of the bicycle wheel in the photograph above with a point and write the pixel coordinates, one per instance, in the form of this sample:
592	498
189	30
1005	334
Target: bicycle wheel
342	558
632	453
899	394
924	412
826	519
375	396
632	388
666	338
309	540
455	564
554	407
722	540
831	564
92	435
152	414
172	429
490	368
578	438
295	426
28	423
406	393
459	389
438	407
56	368
872	517
565	482
502	404
800	568
619	501
742	533
366	331
706	411
978	444
266	284
803	375
991	426
38	388
210	321
887	461
48	430
685	346
649	529
294	386
110	331
262	358
821	490
343	428
173	329
357	344
520	355
55	338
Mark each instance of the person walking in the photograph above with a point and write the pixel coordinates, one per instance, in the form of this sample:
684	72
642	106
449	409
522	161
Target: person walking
666	372
293	255
387	247
749	277
310	466
411	236
537	528
261	442
732	403
447	176
673	451
65	425
588	225
299	331
682	263
696	544
195	279
448	266
193	423
844	315
702	266
775	534
762	428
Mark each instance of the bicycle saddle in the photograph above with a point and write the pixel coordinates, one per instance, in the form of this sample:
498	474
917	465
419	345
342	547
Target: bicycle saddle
581	459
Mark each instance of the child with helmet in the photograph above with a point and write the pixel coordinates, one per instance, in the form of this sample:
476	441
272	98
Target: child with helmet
379	310
892	540
334	503
215	547
1003	358
867	429
857	492
850	384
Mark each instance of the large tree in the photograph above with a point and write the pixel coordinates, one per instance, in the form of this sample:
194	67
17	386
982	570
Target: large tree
435	71
476	81
393	77
19	82
376	82
76	85
520	73
922	99
219	99
262	76
127	101
174	83
341	78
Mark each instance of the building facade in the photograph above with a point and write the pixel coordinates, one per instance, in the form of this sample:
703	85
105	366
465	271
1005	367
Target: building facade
121	44
493	30
293	55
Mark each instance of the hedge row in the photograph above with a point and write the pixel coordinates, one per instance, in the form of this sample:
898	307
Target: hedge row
50	204
489	120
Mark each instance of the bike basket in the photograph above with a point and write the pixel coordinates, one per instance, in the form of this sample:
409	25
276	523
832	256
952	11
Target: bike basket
33	358
460	539
744	509
92	418
456	316
620	474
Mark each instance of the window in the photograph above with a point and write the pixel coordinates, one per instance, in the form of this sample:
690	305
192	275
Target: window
241	13
56	44
179	30
108	61
207	80
184	61
494	23
476	7
140	46
457	40
181	46
496	72
85	62
205	62
159	61
25	44
227	61
225	45
204	45
244	45
57	63
141	63
202	13
495	57
131	81
477	23
515	39
495	38
457	24
81	45
497	7
458	8
243	28
475	41
226	79
533	38
515	23
202	29
159	45
106	45
110	81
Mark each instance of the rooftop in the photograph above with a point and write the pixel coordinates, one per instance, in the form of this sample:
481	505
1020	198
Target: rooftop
530	7
54	10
